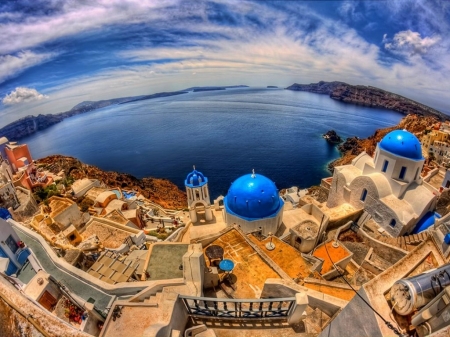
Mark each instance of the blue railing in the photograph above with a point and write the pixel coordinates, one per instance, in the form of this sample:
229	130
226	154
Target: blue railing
272	308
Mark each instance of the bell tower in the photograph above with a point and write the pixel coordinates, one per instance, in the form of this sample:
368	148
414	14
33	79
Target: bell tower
198	195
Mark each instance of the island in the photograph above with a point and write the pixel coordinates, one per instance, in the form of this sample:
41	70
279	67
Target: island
29	125
368	96
272	87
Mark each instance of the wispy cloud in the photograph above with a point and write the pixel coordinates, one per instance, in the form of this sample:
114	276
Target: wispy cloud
21	95
134	47
11	65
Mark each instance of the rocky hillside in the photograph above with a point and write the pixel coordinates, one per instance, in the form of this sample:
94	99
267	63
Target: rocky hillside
354	145
30	124
369	96
160	191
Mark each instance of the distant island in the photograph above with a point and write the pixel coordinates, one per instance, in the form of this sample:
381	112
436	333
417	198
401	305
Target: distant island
369	96
29	125
272	87
199	89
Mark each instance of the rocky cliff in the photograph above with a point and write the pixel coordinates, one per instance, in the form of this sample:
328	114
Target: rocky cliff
160	191
28	125
354	145
369	96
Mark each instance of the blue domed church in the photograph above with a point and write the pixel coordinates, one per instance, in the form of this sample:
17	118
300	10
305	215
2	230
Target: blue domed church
388	186
254	204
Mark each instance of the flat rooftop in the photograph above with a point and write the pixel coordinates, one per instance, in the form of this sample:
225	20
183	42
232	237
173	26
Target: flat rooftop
286	257
109	237
336	253
250	271
165	261
133	321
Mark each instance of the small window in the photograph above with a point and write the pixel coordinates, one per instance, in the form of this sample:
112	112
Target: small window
385	166
12	244
393	223
364	195
402	173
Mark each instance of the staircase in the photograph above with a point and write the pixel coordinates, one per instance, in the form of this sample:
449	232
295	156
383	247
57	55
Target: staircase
407	243
154	299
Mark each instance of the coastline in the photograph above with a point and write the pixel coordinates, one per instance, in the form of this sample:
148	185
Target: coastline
353	146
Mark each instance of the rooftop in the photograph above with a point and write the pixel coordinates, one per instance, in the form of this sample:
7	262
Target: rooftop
165	261
286	257
250	271
109	236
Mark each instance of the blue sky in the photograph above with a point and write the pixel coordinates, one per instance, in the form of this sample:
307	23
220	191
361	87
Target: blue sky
55	54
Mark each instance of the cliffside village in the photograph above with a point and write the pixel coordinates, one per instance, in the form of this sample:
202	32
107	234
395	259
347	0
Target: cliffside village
370	257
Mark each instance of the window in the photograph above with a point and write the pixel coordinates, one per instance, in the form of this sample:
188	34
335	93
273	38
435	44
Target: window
393	223
12	244
385	166
402	173
364	195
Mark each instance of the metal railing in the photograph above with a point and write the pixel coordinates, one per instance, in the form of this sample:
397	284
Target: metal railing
272	308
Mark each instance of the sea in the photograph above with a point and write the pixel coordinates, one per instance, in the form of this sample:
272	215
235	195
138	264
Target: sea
224	133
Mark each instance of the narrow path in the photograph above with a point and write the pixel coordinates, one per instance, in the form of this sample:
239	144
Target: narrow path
74	284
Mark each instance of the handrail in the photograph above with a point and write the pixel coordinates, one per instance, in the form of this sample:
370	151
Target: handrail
270	308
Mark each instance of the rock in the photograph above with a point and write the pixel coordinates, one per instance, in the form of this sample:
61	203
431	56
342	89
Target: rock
332	137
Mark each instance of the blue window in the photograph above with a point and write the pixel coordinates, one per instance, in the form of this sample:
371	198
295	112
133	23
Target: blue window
385	166
402	173
364	195
393	223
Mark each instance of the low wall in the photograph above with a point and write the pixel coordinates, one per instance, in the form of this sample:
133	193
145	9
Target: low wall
338	222
276	288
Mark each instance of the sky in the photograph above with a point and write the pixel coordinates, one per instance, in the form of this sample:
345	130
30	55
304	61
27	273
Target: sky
56	54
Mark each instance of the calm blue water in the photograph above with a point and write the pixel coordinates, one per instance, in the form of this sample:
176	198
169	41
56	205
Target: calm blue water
224	133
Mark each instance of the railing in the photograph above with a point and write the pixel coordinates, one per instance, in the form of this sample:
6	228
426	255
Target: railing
272	308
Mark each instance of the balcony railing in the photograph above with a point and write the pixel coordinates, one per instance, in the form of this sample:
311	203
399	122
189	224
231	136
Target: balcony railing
272	308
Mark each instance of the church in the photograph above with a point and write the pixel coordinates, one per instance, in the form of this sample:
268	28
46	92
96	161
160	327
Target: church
388	186
252	202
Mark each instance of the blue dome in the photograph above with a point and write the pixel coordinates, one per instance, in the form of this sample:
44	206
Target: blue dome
195	179
402	143
253	196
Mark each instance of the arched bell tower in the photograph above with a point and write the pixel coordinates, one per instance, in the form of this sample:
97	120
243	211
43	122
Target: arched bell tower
198	194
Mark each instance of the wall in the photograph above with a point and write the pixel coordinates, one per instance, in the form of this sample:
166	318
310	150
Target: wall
276	288
268	225
194	267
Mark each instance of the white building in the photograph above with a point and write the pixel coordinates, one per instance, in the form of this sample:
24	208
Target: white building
388	186
198	195
13	252
253	203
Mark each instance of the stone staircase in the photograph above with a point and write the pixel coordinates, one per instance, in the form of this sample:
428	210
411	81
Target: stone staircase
407	243
154	299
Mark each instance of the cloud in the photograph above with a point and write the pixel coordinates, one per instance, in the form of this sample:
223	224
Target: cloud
22	94
409	42
11	65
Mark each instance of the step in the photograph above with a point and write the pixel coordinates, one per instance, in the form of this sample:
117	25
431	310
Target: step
416	238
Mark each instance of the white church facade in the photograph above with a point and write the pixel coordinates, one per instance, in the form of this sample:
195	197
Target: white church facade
388	186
